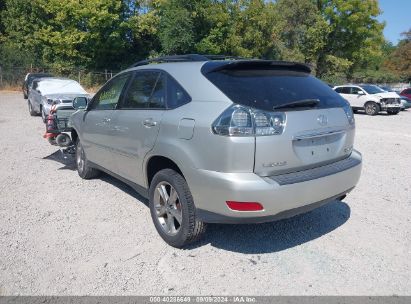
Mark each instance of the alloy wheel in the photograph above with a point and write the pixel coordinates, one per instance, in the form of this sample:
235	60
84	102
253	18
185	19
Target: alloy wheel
371	109
168	208
80	158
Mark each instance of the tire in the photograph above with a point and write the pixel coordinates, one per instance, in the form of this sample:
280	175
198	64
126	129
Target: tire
31	110
43	116
175	219
83	168
371	108
52	141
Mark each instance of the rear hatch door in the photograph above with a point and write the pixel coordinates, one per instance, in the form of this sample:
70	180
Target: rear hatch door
314	134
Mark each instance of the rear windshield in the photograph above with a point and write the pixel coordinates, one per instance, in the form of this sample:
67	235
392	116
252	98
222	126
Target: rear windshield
269	88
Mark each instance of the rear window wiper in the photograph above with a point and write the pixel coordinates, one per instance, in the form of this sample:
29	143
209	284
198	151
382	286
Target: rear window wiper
303	103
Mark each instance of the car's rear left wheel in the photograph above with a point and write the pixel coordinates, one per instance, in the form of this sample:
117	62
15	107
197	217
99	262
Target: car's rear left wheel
172	209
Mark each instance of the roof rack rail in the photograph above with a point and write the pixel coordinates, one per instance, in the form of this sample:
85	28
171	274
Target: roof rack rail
184	58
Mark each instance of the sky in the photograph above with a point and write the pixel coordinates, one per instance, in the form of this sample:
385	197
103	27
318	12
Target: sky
397	15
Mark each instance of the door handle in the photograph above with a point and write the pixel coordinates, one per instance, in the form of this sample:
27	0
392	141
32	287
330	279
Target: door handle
149	123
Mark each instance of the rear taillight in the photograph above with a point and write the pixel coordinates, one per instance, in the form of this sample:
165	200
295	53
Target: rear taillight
350	115
239	120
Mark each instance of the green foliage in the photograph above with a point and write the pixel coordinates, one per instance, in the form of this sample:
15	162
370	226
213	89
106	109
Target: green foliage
21	21
14	57
340	39
176	27
400	60
355	33
301	30
89	33
375	76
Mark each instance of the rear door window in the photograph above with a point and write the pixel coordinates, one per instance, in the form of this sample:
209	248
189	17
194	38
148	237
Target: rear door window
266	88
147	90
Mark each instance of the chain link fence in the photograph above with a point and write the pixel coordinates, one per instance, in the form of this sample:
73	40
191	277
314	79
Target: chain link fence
13	77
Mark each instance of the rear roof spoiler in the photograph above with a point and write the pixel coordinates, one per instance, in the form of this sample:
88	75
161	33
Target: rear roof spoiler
215	66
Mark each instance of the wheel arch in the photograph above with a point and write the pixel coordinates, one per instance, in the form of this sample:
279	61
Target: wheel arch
158	162
374	101
74	135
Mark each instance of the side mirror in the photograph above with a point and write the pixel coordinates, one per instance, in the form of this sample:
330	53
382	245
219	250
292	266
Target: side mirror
361	93
80	103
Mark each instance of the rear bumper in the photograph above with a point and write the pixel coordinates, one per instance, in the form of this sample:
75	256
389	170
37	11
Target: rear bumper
281	198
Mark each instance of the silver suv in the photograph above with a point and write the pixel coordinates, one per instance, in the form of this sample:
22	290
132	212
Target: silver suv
219	141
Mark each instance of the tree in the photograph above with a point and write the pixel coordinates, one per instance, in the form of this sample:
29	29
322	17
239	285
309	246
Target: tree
143	23
399	60
253	34
21	22
355	33
336	37
176	33
302	30
2	8
90	33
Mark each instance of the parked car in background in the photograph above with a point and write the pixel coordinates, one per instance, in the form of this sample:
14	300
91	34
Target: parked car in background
404	103
226	141
29	79
45	92
370	98
406	93
58	127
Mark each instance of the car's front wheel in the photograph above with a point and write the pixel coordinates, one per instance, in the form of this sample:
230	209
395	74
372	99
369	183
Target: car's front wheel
372	108
83	168
172	209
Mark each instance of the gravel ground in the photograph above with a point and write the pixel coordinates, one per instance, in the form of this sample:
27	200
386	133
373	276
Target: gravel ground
61	235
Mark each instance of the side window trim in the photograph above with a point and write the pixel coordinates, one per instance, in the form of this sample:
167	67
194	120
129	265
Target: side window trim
167	80
120	105
93	100
125	90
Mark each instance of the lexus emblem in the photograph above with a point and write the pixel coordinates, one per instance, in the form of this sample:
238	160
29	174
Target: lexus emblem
322	120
